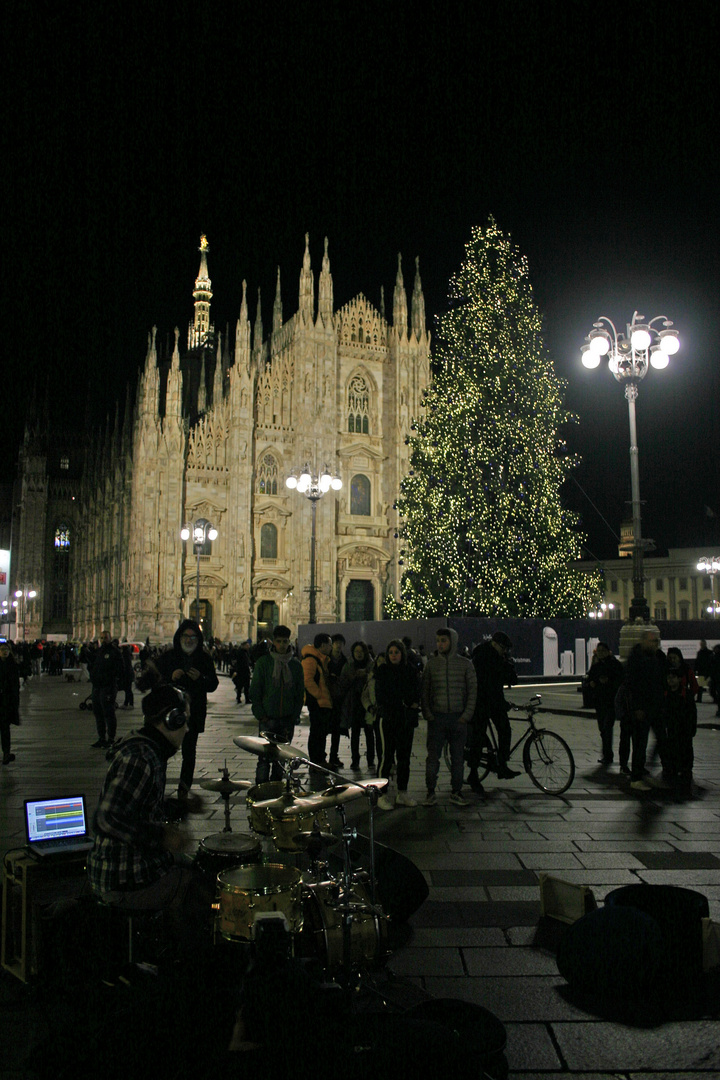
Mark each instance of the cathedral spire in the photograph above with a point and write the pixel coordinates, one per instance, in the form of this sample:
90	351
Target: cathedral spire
242	334
418	304
150	379
258	329
173	389
201	329
202	388
307	285
325	289
382	301
400	319
277	307
218	378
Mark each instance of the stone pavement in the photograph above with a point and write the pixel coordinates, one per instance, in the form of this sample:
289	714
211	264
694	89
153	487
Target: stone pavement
476	937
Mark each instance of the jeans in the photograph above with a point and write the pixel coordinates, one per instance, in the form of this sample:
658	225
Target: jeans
187	769
268	767
445	728
103	703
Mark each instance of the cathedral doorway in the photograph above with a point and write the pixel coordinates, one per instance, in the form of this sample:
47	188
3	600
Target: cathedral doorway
359	601
205	620
267	619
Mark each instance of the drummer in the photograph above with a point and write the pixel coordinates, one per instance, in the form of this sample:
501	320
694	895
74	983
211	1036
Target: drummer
277	694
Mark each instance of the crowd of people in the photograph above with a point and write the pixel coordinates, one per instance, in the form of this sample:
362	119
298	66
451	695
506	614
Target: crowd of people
653	692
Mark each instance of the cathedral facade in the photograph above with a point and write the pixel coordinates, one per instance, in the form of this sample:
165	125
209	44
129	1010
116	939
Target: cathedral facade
215	429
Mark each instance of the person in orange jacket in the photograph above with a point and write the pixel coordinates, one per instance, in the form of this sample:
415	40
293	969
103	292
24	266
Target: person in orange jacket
317	695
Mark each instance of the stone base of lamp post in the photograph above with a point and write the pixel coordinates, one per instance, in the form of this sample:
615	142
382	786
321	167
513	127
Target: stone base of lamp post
632	633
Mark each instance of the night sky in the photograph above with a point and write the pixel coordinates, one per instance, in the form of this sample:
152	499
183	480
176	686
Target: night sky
588	130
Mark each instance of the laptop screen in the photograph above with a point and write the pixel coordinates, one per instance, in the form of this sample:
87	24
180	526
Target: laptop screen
55	819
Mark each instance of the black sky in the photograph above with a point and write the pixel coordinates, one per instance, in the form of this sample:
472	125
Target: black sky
588	130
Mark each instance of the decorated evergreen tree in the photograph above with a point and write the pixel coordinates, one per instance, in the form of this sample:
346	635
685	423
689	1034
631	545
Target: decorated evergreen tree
484	528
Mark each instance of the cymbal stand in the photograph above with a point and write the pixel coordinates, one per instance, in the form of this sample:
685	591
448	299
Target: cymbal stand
346	907
225	775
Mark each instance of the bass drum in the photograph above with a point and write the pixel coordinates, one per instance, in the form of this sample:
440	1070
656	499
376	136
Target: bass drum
245	891
322	930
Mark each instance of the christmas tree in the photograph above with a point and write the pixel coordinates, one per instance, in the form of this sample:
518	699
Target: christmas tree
482	519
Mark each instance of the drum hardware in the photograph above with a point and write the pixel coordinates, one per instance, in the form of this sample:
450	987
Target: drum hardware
225	787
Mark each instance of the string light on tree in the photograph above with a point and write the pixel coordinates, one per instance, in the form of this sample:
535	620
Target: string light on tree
485	530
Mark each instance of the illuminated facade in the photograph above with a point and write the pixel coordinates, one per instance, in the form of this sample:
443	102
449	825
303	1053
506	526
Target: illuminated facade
214	431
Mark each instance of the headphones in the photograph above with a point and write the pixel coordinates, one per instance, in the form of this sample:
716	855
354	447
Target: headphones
176	717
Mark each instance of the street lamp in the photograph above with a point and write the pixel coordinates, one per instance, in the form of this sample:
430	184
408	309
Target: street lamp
21	598
313	487
629	357
711	565
601	610
201	531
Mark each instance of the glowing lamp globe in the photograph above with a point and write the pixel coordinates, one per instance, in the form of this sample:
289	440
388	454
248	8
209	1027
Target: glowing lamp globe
640	338
589	358
658	357
669	341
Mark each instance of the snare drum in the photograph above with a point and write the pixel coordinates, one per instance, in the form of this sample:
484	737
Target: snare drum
261	820
245	891
322	931
223	850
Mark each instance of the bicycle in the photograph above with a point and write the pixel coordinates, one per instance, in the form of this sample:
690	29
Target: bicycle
547	758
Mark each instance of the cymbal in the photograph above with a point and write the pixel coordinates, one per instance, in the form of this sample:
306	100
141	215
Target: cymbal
258	744
225	787
276	806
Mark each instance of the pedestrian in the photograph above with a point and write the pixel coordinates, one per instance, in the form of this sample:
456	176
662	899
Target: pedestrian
354	678
9	698
277	693
128	677
703	665
240	670
449	692
317	695
677	662
604	678
645	676
397	689
189	667
493	671
681	725
106	672
336	663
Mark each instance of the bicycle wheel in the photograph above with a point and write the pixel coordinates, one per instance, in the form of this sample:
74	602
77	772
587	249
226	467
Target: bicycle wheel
549	762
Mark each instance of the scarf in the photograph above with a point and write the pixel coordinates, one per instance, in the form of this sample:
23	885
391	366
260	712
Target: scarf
281	668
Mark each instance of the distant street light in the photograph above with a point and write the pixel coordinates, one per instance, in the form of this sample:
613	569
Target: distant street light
711	565
601	610
313	487
201	531
629	357
22	596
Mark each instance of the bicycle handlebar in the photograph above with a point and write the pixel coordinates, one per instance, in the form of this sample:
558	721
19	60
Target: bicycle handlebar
532	705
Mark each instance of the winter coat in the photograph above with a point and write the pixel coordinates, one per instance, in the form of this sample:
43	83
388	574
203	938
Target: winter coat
397	689
493	673
9	691
196	689
276	700
353	680
449	684
314	665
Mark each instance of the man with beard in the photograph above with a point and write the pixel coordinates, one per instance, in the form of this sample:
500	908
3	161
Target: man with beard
189	667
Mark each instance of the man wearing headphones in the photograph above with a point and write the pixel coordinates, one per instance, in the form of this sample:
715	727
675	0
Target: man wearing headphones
132	864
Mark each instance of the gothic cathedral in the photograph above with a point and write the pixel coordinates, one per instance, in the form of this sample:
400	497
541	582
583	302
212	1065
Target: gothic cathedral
214	432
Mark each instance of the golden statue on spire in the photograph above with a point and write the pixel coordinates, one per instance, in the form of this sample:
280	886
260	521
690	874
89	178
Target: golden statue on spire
203	243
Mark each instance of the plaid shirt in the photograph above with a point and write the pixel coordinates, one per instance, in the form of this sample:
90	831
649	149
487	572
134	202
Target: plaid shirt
129	820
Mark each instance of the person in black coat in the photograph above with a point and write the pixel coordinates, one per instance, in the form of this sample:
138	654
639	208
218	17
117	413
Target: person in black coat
494	671
106	673
9	698
681	726
188	666
645	677
605	678
397	691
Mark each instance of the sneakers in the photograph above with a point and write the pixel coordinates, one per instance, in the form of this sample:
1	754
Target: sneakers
386	802
336	764
100	744
625	770
403	799
458	799
640	785
430	799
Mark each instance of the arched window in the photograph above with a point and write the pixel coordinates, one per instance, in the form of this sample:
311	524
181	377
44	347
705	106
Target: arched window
360	496
267	475
268	541
358	405
62	536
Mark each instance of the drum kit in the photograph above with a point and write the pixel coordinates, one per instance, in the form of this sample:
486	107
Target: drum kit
335	918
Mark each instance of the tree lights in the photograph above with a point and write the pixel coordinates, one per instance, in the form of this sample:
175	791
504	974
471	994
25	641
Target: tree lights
483	523
630	355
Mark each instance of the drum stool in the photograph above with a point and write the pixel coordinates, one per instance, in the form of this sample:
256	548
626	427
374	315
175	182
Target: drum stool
148	921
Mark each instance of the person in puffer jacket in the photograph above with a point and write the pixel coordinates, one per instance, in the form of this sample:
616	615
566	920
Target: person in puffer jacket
449	691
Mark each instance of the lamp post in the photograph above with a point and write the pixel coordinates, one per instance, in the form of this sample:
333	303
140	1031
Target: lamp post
5	616
21	598
201	531
600	610
711	565
313	487
629	357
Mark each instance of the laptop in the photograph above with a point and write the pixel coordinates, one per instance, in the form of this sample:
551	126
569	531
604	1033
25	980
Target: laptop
57	827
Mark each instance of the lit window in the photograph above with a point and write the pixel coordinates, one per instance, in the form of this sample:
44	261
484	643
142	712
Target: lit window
64	462
62	537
